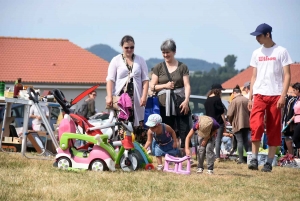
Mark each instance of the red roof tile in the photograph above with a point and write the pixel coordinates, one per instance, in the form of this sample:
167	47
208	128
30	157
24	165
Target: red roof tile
245	76
38	60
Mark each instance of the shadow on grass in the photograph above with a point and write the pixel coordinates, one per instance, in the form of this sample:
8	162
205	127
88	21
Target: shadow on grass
237	175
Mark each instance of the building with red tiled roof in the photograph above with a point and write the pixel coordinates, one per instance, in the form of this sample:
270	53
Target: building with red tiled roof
245	76
51	63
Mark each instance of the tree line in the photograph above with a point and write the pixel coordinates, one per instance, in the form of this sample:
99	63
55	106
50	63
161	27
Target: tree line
201	81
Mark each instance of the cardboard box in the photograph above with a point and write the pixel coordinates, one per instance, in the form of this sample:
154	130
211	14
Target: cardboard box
12	140
6	140
11	144
8	94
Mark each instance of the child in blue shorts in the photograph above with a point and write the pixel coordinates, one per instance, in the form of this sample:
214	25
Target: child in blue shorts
206	127
163	139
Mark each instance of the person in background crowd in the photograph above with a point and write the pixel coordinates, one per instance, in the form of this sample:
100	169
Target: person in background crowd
269	84
288	113
238	116
246	89
180	84
37	119
215	109
296	107
91	104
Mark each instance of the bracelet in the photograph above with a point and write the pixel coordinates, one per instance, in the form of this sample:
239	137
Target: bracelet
153	87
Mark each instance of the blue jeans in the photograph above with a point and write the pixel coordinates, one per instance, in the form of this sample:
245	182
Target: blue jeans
219	140
226	145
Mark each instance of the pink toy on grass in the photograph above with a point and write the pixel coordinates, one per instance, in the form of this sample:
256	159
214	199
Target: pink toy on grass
178	164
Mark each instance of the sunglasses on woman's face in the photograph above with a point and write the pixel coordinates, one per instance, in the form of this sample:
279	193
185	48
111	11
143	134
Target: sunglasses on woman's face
94	94
132	47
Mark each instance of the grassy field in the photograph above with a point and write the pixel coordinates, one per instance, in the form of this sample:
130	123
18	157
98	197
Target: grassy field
28	179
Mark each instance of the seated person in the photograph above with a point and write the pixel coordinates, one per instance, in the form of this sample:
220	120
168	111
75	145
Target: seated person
37	119
226	142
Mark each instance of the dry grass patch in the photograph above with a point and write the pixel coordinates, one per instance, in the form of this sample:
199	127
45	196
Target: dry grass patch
26	179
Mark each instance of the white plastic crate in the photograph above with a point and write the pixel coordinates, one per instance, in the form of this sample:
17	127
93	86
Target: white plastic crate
261	158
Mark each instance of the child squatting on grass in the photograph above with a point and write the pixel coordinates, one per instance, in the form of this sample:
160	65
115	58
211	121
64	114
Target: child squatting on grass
163	139
207	128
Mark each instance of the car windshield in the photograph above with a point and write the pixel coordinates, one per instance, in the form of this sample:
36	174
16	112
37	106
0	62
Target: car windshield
197	104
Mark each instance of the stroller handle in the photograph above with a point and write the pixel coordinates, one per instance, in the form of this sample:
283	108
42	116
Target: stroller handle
32	95
60	98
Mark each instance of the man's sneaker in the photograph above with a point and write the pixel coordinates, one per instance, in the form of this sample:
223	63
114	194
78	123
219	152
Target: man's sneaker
253	164
267	167
160	167
200	170
210	172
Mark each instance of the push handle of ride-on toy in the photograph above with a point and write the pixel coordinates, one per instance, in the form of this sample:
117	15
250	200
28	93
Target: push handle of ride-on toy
105	126
32	95
128	127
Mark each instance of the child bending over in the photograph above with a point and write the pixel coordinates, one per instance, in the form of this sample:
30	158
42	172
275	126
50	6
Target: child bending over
206	128
163	139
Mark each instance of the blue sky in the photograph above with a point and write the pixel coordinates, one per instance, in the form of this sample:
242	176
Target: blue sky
208	30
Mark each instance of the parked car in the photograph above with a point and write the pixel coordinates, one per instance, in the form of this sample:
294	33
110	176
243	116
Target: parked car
197	104
17	111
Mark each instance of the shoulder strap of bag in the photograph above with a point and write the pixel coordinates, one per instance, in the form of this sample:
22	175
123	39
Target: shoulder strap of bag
170	79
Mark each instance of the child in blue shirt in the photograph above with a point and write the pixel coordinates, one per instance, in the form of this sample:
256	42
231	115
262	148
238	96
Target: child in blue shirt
206	127
163	137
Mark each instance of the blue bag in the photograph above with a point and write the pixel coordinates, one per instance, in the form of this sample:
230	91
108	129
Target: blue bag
152	107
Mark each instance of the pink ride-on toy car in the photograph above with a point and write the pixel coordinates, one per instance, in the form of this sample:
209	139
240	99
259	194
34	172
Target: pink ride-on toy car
101	156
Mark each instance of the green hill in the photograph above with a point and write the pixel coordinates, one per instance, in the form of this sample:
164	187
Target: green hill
193	64
107	53
103	51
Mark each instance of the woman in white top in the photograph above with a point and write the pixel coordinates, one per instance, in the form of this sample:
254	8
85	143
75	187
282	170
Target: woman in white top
117	75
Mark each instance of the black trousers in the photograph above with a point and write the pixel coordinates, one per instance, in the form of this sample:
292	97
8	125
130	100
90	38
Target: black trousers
296	136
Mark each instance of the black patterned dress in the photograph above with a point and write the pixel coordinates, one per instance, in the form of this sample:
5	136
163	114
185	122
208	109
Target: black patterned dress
138	130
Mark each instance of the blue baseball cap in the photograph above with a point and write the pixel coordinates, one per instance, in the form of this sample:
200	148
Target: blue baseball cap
262	29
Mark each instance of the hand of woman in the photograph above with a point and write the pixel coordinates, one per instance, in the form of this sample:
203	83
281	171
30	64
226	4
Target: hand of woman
143	101
109	100
184	107
169	85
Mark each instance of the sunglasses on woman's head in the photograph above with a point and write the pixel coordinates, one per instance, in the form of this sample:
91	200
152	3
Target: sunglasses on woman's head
132	47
